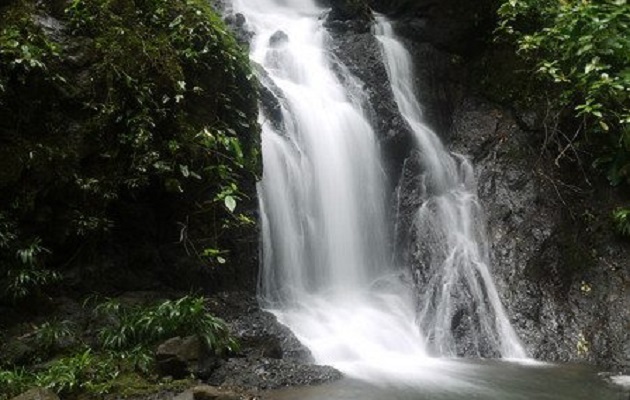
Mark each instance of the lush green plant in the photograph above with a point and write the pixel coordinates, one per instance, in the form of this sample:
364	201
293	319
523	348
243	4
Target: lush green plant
160	116
133	327
25	274
621	217
13	382
82	371
126	337
581	49
51	335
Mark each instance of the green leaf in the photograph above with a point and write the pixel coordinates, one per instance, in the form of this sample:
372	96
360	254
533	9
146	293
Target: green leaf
230	203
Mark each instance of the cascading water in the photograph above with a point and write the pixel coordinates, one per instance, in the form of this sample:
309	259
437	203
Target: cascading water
325	270
457	291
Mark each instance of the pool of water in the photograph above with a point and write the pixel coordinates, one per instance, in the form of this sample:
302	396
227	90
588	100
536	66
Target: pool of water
479	380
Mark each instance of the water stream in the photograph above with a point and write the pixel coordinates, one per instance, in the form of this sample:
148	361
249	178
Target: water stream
326	270
450	222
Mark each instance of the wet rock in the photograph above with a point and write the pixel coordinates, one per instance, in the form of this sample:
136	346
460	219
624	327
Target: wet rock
561	272
270	357
410	195
53	27
278	39
264	373
454	26
349	16
359	56
263	336
17	352
236	22
37	394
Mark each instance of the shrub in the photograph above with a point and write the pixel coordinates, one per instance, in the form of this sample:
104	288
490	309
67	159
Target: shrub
621	217
148	110
133	327
581	51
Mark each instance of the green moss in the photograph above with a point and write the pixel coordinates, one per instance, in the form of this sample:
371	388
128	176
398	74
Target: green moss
131	385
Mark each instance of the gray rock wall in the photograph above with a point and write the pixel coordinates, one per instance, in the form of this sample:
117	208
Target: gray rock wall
563	275
562	272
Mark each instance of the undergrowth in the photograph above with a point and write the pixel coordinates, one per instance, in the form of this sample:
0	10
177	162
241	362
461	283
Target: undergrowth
122	350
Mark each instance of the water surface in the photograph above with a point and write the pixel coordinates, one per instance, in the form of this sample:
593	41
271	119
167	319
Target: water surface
479	380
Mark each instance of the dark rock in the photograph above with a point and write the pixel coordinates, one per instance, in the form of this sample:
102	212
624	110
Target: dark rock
270	357
236	22
559	269
359	56
410	195
349	15
17	351
239	20
454	26
178	357
264	373
278	39
263	336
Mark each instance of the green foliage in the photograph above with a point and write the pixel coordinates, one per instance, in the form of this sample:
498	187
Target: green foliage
581	49
133	327
123	346
621	217
51	335
141	105
24	275
13	382
83	371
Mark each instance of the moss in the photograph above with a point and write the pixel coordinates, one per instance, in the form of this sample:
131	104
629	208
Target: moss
131	385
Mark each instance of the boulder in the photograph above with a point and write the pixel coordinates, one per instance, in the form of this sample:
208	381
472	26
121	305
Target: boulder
179	357
37	394
278	39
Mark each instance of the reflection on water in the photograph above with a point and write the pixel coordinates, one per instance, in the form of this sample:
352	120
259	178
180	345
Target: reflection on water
480	380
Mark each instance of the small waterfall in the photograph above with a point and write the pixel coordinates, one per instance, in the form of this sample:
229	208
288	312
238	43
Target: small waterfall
460	309
326	272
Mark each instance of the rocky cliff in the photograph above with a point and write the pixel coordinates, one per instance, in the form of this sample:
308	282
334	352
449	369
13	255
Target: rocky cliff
562	272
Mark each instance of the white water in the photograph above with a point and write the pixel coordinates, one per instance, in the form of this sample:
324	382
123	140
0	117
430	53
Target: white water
457	281
325	272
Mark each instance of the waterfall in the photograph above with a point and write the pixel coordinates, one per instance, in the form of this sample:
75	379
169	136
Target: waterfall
326	272
457	290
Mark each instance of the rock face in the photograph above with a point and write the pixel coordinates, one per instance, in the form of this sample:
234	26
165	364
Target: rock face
562	274
271	356
360	53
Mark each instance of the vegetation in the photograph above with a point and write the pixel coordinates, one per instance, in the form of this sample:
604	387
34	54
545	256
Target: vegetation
136	326
133	121
125	125
621	216
120	353
580	53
